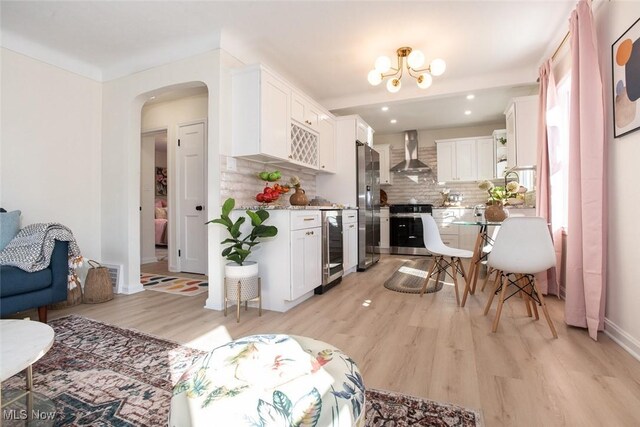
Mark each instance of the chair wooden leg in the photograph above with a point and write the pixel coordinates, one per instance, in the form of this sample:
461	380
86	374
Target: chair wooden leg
42	314
544	310
505	285
524	295
486	279
532	301
496	285
426	280
454	273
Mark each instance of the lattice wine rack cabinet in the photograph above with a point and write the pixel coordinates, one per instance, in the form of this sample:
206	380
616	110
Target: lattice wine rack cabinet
304	146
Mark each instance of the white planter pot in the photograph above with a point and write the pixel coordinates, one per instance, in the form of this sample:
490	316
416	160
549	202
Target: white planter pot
236	271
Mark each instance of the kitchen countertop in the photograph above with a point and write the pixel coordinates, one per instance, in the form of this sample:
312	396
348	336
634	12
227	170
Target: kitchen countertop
482	207
293	208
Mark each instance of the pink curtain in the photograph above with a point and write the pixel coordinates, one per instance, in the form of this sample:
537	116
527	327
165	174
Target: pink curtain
547	145
586	238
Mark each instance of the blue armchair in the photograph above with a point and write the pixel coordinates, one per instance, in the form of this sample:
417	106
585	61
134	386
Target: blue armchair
20	290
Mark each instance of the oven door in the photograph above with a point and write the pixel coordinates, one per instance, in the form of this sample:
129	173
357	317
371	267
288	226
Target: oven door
407	235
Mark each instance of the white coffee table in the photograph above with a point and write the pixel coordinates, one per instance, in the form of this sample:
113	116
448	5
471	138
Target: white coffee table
22	343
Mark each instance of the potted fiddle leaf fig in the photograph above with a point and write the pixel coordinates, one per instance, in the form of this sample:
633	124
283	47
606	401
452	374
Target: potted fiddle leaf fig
239	245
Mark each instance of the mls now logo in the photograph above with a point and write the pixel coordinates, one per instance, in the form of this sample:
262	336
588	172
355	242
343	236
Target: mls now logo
23	415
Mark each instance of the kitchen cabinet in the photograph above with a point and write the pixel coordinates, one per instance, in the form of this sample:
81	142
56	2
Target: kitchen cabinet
327	144
306	257
304	147
260	115
385	158
465	159
385	231
290	263
485	158
304	111
521	118
364	133
350	240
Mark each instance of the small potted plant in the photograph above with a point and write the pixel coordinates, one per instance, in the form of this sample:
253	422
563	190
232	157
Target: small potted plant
239	246
497	197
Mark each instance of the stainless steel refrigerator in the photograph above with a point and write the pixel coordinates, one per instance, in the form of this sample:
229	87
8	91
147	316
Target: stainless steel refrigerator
368	186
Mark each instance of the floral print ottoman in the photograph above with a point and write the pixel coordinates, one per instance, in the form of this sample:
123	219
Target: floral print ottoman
270	380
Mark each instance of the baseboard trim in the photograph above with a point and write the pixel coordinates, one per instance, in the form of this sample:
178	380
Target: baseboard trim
622	338
133	289
148	260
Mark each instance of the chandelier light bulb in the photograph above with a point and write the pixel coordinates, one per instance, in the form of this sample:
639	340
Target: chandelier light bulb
374	77
437	67
394	85
383	64
425	80
415	59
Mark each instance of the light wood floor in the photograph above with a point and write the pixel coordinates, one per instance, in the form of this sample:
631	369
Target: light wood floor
425	347
162	267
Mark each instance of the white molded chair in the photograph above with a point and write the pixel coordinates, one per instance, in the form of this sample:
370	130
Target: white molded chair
443	255
522	248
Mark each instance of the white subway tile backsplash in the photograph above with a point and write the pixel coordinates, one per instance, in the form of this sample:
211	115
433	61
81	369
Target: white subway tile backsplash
243	184
427	190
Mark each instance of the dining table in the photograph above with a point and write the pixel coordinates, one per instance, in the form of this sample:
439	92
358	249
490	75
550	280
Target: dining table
482	240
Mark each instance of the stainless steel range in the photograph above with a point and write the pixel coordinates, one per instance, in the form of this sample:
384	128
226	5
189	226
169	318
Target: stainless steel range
406	229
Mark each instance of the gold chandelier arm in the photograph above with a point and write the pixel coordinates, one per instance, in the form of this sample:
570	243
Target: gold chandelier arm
394	72
418	72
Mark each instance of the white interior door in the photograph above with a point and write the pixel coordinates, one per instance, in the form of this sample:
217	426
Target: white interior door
147	194
192	251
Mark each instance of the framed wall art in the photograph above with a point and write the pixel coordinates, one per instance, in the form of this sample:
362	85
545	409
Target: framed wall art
625	72
161	181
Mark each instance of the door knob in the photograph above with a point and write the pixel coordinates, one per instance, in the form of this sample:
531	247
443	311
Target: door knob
199	208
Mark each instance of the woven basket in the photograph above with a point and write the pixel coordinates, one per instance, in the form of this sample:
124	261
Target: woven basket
97	285
74	297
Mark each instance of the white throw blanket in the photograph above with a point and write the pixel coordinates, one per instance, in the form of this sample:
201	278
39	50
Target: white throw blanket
32	247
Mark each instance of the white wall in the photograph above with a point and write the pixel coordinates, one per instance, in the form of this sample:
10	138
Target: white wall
50	138
170	115
623	269
147	196
122	103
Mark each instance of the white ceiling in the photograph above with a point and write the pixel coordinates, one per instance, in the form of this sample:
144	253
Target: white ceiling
325	47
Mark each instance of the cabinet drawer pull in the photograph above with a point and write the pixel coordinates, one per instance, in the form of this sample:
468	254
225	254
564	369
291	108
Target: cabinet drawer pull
351	226
308	219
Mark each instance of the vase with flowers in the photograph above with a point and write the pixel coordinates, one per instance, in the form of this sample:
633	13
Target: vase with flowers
299	198
498	196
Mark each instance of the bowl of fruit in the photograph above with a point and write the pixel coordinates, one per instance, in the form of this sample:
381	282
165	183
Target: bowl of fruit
271	194
270	176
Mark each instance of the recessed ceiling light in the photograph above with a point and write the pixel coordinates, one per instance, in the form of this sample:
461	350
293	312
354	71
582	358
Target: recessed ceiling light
393	121
467	112
152	98
385	108
471	96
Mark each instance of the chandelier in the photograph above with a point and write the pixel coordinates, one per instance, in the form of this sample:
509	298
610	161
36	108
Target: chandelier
414	60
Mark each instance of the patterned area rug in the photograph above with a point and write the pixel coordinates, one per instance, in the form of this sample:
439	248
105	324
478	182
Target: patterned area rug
173	285
102	375
386	408
409	278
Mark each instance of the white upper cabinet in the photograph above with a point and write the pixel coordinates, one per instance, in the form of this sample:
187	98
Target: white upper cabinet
327	142
465	159
364	133
260	115
485	157
273	121
304	111
385	153
521	118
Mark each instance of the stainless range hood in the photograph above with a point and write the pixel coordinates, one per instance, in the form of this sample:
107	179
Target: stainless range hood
411	164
